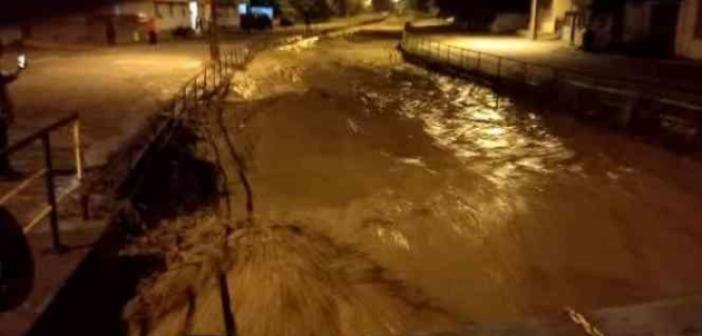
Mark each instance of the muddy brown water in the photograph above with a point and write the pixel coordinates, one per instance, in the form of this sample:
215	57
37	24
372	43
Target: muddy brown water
389	200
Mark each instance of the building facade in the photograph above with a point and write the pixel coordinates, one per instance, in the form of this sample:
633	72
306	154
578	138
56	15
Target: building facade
688	42
127	21
660	28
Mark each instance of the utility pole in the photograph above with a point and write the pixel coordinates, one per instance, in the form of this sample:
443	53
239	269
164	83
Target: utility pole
214	32
534	22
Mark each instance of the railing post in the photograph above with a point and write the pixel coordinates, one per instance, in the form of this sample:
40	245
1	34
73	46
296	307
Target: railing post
185	100
77	151
51	193
205	77
224	295
499	70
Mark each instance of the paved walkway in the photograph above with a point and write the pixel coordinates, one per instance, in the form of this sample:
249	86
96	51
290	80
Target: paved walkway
677	73
115	91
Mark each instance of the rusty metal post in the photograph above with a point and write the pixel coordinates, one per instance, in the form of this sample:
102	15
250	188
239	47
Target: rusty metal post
205	76
184	105
51	193
499	70
229	322
77	152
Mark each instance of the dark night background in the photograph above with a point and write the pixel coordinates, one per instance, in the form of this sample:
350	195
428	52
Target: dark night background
12	10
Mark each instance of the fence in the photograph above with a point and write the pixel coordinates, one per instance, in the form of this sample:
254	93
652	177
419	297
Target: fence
502	70
49	173
210	80
213	78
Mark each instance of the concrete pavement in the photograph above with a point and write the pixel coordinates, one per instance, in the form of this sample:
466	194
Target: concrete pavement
677	73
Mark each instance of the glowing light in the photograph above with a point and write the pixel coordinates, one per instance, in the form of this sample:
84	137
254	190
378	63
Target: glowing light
193	15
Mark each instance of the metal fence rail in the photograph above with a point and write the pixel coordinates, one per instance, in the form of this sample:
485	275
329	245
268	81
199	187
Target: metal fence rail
211	80
506	70
48	172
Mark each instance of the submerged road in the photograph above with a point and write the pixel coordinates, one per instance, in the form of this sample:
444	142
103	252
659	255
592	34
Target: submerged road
397	202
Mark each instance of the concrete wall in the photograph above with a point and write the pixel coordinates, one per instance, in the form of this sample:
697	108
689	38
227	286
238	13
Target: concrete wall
509	22
550	15
65	29
172	15
129	18
686	44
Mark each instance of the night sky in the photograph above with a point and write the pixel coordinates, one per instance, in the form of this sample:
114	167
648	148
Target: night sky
13	10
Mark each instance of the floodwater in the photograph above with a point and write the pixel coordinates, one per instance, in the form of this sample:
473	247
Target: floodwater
389	200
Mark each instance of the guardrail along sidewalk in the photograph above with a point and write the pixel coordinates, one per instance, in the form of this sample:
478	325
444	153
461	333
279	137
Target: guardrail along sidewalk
627	100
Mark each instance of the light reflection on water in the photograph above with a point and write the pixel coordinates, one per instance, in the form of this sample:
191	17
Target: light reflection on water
503	145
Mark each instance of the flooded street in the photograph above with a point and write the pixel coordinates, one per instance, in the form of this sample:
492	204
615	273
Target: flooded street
389	200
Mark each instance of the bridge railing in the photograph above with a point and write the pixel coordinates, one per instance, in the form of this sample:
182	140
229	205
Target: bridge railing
501	69
48	172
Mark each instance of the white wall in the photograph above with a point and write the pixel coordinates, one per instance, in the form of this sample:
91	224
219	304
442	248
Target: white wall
173	15
686	44
549	16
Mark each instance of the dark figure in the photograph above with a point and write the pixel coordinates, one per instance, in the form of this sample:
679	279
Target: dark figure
152	31
7	117
110	32
308	20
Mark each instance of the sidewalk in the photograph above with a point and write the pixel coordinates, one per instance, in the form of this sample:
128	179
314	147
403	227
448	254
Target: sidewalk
115	91
680	74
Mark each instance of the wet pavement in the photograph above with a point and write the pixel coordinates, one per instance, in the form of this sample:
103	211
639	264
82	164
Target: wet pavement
389	200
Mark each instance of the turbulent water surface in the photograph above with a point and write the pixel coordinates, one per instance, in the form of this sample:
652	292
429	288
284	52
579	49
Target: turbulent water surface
389	200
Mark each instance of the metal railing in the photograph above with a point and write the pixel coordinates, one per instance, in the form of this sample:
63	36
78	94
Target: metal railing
212	79
501	70
48	172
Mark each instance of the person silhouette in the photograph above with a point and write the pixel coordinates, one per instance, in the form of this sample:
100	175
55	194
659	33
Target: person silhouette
7	118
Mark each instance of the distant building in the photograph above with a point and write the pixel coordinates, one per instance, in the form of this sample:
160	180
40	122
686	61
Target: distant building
127	21
641	27
688	42
558	19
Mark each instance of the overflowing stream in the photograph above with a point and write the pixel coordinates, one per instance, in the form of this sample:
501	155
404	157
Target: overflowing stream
388	200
